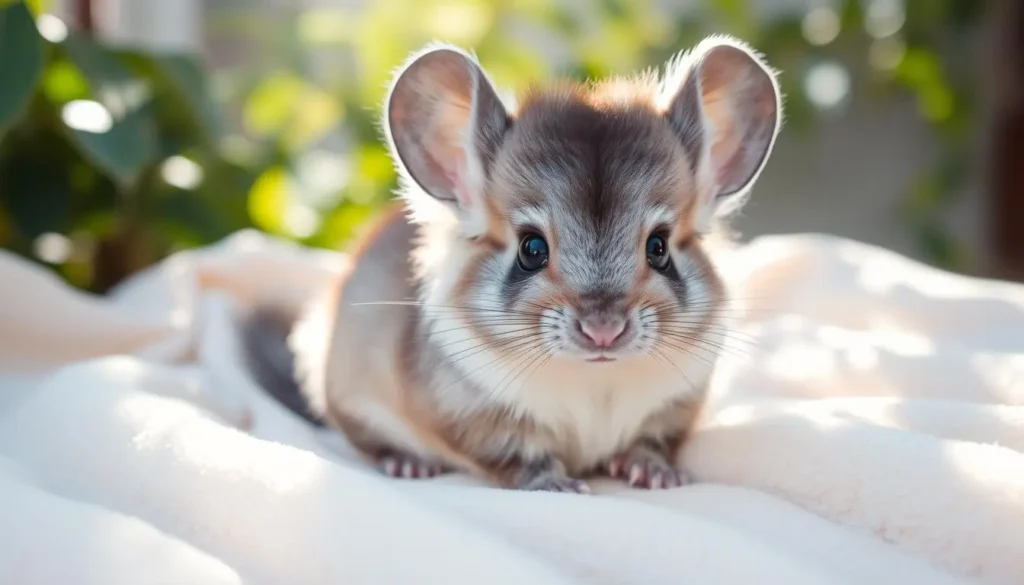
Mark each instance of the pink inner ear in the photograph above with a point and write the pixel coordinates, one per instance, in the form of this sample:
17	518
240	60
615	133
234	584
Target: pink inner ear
726	155
446	161
725	135
457	174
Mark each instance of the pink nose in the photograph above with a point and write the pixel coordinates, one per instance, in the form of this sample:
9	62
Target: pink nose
603	331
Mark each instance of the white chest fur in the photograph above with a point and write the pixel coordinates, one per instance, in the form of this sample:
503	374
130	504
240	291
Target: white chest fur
591	410
597	409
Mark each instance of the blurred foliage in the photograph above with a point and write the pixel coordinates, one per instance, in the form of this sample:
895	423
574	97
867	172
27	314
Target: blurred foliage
113	157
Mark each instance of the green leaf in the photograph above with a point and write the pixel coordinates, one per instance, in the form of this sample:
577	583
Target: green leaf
186	77
189	217
37	6
63	82
101	67
129	142
272	105
181	85
286	105
124	149
21	60
269	198
226	192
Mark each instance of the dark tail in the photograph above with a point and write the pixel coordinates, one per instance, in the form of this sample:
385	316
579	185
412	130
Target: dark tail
270	360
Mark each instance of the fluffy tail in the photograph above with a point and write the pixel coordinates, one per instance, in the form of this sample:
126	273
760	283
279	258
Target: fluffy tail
267	355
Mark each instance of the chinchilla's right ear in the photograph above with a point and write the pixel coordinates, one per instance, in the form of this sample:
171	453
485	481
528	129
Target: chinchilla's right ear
444	123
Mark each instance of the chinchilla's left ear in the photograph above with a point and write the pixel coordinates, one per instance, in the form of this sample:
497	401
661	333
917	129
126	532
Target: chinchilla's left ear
723	102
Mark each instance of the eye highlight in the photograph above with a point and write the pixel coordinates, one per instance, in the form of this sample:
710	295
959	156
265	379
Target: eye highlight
533	253
657	252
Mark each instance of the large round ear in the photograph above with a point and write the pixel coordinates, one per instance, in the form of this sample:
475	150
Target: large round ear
444	123
724	104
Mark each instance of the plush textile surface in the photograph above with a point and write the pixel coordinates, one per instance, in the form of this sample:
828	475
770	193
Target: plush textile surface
866	426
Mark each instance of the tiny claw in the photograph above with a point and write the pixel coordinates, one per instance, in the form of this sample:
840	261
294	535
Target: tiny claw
636	474
642	468
657	480
408	467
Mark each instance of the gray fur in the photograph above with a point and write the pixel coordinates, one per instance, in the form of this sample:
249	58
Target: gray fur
271	362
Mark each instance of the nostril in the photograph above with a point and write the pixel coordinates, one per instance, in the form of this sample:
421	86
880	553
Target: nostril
603	331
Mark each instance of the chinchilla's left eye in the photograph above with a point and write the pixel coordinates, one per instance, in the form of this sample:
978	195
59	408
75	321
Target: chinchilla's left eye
657	252
533	253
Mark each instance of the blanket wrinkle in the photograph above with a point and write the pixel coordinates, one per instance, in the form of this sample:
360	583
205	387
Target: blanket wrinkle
865	424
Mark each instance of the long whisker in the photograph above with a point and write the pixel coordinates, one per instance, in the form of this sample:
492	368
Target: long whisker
425	307
502	342
737	336
535	369
708	355
709	346
480	347
668	362
520	369
482	323
498	337
518	351
718	336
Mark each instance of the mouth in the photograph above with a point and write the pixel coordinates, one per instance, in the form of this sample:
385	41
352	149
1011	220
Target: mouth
601	359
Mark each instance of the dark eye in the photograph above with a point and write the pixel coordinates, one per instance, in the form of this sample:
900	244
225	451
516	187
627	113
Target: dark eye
657	252
533	253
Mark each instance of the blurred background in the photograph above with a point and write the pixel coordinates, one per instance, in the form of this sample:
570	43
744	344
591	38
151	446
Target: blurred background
130	129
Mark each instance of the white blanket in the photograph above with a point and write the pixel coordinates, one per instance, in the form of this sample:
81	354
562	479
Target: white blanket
871	430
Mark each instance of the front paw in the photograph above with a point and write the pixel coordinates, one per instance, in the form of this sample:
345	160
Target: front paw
644	468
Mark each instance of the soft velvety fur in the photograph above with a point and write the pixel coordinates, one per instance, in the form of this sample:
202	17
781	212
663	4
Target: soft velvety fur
444	352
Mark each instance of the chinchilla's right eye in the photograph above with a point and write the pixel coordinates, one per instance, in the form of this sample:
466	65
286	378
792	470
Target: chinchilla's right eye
657	252
533	253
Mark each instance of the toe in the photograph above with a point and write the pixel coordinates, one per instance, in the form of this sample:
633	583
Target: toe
657	480
404	467
672	478
637	475
615	466
651	474
580	487
390	466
